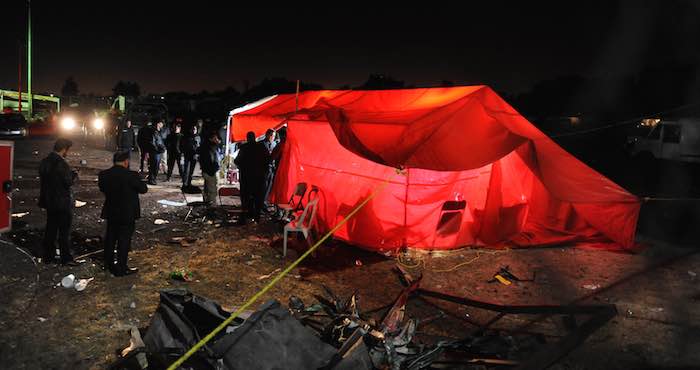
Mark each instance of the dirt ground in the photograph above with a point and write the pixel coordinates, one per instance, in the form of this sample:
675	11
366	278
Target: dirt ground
44	326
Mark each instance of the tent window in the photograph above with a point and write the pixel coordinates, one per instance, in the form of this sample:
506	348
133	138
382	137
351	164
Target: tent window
451	217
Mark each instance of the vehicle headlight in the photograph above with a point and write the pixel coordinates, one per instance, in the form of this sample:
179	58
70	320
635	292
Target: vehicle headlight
68	123
98	123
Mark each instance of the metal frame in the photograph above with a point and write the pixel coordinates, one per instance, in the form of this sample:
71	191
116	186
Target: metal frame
552	352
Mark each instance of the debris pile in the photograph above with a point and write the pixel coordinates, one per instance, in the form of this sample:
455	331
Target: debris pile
335	334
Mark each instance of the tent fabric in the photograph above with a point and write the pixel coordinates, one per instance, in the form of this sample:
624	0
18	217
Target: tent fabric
474	171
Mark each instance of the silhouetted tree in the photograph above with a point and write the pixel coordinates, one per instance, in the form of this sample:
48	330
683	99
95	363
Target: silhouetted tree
70	87
130	89
381	82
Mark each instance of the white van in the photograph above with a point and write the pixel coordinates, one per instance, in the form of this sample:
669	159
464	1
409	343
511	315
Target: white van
673	140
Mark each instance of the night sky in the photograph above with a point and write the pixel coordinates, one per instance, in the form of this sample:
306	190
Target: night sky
196	45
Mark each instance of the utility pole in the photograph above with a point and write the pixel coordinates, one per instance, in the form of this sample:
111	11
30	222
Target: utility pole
19	78
29	58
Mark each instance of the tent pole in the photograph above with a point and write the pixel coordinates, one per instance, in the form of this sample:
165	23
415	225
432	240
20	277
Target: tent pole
296	99
405	205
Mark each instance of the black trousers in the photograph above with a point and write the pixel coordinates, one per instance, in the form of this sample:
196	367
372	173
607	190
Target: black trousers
118	238
188	170
143	158
253	196
128	150
58	223
153	165
174	158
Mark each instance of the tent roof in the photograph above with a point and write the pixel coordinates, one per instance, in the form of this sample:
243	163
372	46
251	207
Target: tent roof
443	129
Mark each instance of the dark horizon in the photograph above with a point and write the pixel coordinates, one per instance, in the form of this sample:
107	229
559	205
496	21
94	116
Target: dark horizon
510	47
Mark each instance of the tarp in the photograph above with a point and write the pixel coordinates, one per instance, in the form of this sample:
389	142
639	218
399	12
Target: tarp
474	171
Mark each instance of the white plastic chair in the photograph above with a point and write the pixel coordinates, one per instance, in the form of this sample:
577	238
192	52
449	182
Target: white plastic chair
304	224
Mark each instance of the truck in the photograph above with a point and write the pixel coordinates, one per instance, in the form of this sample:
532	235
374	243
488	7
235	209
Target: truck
675	140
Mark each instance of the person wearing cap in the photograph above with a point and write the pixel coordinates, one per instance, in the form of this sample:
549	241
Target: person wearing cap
121	188
56	196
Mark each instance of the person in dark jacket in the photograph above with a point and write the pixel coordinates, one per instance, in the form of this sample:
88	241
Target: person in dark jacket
56	196
173	144
252	161
210	163
190	151
126	140
121	188
142	141
156	147
270	145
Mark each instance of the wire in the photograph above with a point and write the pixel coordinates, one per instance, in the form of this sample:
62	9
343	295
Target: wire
402	261
622	123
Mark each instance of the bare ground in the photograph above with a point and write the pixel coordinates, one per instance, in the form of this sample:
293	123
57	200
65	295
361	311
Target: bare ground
43	326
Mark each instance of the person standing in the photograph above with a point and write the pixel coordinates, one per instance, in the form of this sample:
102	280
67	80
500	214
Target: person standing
173	143
190	149
156	147
121	188
270	145
56	196
253	160
126	140
210	163
142	142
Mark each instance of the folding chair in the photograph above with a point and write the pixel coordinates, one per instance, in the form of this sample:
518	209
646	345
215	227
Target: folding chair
228	191
198	200
304	224
295	201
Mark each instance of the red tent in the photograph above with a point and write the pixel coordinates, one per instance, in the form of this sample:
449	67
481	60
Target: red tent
475	172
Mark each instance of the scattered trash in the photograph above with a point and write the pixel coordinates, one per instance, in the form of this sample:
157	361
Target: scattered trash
160	221
591	286
82	284
135	342
255	256
36	152
182	275
263	277
68	281
166	202
358	263
154	212
629	312
41	319
83	162
79	203
20	215
692	274
157	229
250	263
82	260
504	276
132	305
656	309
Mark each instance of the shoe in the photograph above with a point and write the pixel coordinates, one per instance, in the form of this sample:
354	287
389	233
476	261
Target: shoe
152	182
167	179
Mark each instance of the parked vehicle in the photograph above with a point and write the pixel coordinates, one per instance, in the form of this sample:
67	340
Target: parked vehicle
677	140
13	124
